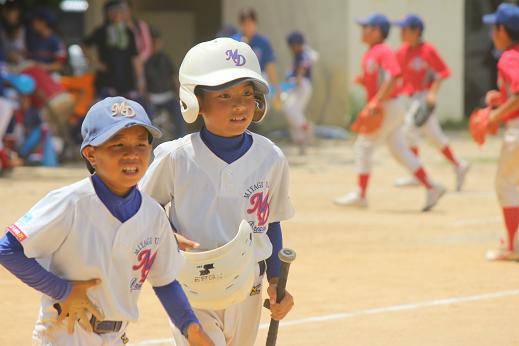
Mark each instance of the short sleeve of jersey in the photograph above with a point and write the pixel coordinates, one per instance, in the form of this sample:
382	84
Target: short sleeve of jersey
280	207
158	181
169	260
44	228
436	62
387	60
268	52
508	67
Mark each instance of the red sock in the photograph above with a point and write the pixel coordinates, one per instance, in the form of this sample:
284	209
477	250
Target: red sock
415	151
511	215
363	184
5	162
447	152
422	177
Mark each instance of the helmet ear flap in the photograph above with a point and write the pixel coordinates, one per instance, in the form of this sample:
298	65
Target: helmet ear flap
261	108
188	104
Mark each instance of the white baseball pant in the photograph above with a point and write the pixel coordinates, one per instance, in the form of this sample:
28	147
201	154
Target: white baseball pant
431	129
235	326
294	108
390	133
507	176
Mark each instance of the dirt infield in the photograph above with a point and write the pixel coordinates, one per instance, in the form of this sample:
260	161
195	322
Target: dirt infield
388	275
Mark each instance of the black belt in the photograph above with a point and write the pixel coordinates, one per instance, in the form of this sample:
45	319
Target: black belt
262	267
104	327
99	327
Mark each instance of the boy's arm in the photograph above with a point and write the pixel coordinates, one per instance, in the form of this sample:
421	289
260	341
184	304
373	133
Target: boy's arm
278	310
497	115
29	271
382	93
72	296
442	72
433	91
175	302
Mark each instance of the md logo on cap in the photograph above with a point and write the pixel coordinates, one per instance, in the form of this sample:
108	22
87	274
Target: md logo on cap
122	108
237	58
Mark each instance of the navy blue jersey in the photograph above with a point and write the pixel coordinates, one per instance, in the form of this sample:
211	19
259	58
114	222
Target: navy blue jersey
261	47
305	60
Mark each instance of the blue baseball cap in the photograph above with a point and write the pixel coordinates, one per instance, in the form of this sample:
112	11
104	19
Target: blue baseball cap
375	19
296	37
410	21
506	14
111	115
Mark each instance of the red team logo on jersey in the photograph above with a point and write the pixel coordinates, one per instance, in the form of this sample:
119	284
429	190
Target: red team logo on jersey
146	260
260	206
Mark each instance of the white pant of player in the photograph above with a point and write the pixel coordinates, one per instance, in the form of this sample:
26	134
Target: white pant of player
6	112
507	176
390	133
60	337
235	326
431	129
294	108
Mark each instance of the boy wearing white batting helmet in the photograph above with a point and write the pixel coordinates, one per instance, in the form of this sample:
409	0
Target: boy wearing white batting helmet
228	192
90	246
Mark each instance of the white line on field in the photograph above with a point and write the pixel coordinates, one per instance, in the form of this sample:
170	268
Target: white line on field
476	222
371	311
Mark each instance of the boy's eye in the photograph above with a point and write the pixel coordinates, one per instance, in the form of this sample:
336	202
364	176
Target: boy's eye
224	96
247	93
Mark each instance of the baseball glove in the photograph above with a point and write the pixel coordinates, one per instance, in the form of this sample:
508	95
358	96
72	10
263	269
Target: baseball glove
479	125
422	112
366	122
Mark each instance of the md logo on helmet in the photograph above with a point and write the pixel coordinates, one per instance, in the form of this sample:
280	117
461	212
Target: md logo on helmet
237	58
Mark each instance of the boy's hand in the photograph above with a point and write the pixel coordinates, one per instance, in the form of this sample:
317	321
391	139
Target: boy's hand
431	99
197	337
493	98
77	304
185	244
359	79
278	311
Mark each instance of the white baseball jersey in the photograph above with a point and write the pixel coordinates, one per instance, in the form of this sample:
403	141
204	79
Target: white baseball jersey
72	234
209	197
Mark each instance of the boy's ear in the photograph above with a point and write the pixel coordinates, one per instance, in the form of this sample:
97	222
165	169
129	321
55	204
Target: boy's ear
88	154
199	98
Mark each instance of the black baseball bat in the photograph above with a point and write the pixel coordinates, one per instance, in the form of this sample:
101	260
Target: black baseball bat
287	256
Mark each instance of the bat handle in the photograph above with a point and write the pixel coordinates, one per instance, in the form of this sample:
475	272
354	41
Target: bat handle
282	283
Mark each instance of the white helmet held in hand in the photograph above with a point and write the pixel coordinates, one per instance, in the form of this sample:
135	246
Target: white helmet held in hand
217	65
216	279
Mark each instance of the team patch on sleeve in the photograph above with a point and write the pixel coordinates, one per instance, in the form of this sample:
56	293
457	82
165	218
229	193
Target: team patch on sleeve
17	232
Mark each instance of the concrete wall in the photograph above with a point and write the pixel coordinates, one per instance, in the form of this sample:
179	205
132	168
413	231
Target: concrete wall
330	28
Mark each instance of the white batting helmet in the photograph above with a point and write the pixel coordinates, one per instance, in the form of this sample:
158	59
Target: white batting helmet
219	64
216	279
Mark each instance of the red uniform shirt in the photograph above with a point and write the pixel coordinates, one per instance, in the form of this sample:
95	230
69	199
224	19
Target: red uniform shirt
421	65
379	64
508	76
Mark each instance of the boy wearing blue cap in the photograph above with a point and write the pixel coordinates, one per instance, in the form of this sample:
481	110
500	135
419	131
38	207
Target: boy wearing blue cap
423	71
89	247
505	101
297	97
380	71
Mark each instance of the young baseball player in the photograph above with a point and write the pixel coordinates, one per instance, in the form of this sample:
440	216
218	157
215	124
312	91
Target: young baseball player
297	98
215	178
423	71
505	35
380	71
90	246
